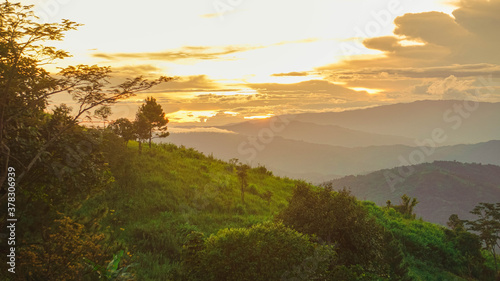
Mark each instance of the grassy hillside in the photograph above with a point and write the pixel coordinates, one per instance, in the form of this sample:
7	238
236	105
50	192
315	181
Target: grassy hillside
442	187
161	196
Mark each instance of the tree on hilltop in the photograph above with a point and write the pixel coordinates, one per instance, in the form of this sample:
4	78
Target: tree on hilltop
151	118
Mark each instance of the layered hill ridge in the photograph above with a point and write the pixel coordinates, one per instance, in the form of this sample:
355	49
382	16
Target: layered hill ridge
442	187
321	146
462	121
319	162
315	133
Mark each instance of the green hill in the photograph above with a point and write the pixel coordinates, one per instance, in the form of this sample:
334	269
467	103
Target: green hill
162	195
172	213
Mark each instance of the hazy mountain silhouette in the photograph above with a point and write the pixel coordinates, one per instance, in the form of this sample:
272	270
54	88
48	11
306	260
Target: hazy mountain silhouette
314	133
442	188
319	162
462	122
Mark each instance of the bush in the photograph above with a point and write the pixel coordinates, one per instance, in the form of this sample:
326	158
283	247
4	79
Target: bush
266	251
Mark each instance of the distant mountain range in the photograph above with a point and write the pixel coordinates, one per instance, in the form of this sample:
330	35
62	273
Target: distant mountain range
462	121
315	133
442	188
319	162
322	146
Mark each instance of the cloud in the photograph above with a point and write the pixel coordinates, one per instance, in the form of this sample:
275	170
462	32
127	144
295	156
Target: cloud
430	53
192	84
431	28
294	73
184	53
458	70
180	130
470	36
311	90
448	88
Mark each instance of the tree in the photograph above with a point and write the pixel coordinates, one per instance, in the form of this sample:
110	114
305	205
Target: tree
58	163
59	255
455	223
268	251
394	259
103	113
243	177
267	196
406	206
123	128
141	128
26	86
488	226
469	246
151	118
338	219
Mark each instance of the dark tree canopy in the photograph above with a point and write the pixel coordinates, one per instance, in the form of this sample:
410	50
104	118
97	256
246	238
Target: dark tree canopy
487	225
151	119
339	219
124	128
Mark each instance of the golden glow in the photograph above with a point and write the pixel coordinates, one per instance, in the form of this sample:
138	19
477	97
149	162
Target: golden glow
410	43
369	91
253	42
183	116
260	117
245	92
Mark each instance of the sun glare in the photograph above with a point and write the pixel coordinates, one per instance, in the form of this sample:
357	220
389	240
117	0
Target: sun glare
183	116
368	90
259	116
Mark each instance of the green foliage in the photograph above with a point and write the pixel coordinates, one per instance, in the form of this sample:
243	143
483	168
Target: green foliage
406	207
339	219
59	253
150	118
112	272
123	128
488	227
431	251
262	252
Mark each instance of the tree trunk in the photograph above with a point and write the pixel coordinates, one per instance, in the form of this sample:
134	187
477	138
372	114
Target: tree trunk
495	258
150	136
140	147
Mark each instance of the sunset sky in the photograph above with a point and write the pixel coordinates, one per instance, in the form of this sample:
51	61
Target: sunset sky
241	59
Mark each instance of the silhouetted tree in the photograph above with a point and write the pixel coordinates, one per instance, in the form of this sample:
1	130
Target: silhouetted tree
124	128
488	226
141	128
455	223
103	113
151	118
406	206
242	176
